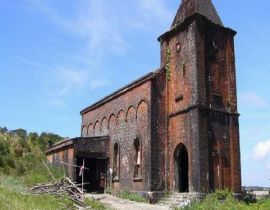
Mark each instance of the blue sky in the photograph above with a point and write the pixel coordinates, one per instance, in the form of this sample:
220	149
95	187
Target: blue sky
59	56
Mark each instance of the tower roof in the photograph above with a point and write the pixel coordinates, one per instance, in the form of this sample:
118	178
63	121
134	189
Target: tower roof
191	7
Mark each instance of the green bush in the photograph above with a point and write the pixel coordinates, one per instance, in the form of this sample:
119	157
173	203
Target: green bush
4	147
20	168
22	153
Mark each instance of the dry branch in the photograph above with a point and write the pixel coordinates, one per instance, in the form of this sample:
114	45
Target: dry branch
65	186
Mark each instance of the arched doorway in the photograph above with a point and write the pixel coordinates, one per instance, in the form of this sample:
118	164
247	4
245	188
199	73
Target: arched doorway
181	168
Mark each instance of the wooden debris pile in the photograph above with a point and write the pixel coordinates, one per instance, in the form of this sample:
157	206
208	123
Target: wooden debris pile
60	189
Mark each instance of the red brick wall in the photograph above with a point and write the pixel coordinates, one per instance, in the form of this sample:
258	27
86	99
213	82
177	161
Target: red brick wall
124	119
201	99
66	155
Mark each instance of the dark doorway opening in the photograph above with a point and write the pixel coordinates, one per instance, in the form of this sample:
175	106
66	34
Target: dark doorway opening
181	169
94	174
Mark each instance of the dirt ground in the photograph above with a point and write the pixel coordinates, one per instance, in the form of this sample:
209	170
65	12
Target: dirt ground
115	203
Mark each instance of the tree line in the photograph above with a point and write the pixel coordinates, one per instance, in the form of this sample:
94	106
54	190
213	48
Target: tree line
21	151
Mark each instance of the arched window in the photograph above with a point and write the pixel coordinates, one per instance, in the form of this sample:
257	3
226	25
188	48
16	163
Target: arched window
116	162
137	160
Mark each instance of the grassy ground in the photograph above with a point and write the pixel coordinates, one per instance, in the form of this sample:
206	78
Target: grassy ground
132	196
223	200
21	167
95	205
14	196
14	193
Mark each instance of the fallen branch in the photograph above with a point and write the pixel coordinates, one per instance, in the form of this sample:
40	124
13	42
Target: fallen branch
59	189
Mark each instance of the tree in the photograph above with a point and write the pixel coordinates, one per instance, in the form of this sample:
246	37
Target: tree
4	147
46	137
33	139
3	130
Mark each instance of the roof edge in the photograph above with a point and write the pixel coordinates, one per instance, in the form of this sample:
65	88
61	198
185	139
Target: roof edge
188	21
119	92
70	142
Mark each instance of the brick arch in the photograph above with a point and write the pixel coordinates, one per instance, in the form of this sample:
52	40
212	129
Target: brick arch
181	168
121	117
90	130
84	131
131	114
104	126
142	109
97	128
112	121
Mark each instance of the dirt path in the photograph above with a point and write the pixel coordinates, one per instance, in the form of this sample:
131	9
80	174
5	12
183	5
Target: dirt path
122	204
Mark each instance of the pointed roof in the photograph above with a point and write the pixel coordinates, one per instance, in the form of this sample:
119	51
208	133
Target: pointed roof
191	7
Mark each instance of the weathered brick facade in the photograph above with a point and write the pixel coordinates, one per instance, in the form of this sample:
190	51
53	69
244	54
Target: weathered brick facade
176	129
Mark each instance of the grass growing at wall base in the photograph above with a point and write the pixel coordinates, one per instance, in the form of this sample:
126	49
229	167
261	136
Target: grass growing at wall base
132	196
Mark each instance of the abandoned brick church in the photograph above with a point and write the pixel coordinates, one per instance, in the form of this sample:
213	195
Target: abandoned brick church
174	129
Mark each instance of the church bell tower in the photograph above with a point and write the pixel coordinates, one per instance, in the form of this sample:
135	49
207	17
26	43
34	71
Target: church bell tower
197	53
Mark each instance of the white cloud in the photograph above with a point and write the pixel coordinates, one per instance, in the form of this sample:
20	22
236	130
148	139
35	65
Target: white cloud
93	21
94	84
56	103
268	166
156	8
68	80
253	99
154	15
262	150
65	82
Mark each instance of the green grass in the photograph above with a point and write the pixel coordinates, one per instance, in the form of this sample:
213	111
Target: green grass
132	196
11	199
223	200
14	195
40	175
95	205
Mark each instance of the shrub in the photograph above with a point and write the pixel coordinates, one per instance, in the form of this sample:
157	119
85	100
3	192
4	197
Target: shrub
20	169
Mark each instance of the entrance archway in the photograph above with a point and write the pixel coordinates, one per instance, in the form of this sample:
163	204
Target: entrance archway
181	168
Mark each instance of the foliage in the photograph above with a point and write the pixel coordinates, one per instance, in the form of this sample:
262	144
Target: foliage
21	152
21	166
41	175
224	200
167	65
95	205
132	196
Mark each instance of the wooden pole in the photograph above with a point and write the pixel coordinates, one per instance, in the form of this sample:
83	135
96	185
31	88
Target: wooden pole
48	170
83	177
64	169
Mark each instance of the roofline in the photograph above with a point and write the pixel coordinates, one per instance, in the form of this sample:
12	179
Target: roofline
59	145
120	91
70	142
186	22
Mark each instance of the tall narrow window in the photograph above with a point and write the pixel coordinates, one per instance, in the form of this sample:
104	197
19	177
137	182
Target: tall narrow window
116	162
137	162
